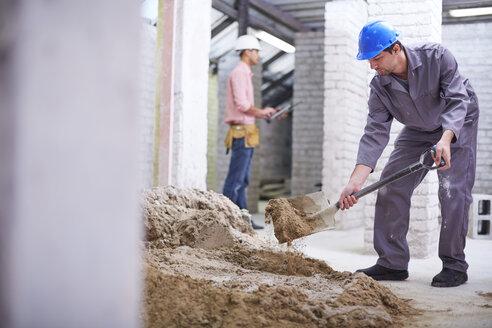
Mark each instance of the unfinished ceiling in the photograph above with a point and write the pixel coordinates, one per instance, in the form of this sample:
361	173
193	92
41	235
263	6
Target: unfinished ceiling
279	18
282	19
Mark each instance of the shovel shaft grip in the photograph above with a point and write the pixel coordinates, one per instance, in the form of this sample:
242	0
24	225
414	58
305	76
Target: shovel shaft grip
395	176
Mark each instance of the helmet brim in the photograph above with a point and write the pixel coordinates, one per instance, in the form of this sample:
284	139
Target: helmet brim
368	55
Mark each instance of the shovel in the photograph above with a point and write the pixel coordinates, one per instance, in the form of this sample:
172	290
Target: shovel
320	215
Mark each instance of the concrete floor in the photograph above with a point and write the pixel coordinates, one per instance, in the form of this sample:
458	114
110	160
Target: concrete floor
469	305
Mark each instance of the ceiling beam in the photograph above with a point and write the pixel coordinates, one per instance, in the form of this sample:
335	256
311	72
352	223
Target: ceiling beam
278	82
243	17
222	26
272	59
278	15
254	21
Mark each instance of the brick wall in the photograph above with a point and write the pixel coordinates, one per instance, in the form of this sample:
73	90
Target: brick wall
345	101
307	124
471	44
146	102
417	21
275	148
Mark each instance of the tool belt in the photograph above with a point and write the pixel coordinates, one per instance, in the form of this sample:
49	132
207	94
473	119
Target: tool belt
249	132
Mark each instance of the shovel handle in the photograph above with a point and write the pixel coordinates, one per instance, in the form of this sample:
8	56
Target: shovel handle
397	175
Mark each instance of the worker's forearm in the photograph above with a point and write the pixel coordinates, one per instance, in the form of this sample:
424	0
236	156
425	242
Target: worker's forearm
255	111
359	175
447	136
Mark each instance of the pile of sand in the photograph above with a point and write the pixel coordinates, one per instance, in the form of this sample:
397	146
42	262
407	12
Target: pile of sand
206	267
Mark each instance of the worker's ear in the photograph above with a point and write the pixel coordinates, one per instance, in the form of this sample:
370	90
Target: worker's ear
396	48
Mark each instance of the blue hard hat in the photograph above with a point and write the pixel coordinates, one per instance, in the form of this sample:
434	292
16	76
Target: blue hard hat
374	38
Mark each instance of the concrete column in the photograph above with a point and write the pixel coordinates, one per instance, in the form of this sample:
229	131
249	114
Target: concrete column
166	52
147	104
192	45
69	222
307	124
212	121
418	21
345	101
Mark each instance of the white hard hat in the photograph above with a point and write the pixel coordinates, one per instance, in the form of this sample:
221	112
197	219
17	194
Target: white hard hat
245	42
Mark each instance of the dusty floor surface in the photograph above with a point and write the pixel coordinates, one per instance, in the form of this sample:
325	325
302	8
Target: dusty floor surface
469	305
205	267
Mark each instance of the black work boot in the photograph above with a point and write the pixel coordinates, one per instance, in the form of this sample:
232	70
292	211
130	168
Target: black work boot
378	272
449	278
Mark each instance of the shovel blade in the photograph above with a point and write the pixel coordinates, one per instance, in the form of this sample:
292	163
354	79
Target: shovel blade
317	208
325	219
310	203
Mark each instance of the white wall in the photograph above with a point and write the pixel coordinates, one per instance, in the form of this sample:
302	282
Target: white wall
191	93
345	102
146	104
471	44
345	109
69	226
418	21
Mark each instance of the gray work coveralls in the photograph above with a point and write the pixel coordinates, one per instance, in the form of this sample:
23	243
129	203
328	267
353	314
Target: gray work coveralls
438	99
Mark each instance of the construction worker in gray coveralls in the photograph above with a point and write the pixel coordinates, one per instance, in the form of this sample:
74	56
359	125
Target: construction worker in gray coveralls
421	87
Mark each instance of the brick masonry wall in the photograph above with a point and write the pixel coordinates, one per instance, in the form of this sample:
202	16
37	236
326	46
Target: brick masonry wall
471	44
146	103
307	124
276	148
345	102
417	21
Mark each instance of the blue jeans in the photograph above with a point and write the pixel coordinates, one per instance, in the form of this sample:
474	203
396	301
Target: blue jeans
238	176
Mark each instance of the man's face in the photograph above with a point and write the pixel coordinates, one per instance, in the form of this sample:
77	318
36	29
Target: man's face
254	56
384	63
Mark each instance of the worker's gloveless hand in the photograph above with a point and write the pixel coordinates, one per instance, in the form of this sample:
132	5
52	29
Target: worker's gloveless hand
443	150
281	117
267	112
346	201
357	179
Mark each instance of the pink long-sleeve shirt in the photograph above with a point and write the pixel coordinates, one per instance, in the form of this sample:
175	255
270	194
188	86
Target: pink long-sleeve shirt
239	95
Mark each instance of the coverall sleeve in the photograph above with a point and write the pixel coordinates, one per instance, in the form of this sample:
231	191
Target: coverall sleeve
376	133
453	91
239	85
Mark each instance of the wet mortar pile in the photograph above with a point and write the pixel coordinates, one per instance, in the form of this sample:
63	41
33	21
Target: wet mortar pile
205	267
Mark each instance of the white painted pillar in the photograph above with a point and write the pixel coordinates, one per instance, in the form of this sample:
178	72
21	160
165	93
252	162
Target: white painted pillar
69	222
192	45
345	102
418	21
166	38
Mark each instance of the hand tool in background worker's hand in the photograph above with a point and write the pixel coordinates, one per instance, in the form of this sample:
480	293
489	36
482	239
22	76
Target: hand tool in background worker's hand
284	110
316	205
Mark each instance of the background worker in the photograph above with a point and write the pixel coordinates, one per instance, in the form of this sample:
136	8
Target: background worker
421	87
240	114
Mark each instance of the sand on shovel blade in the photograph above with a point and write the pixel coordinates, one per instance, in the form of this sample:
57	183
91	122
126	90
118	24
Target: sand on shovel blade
289	222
